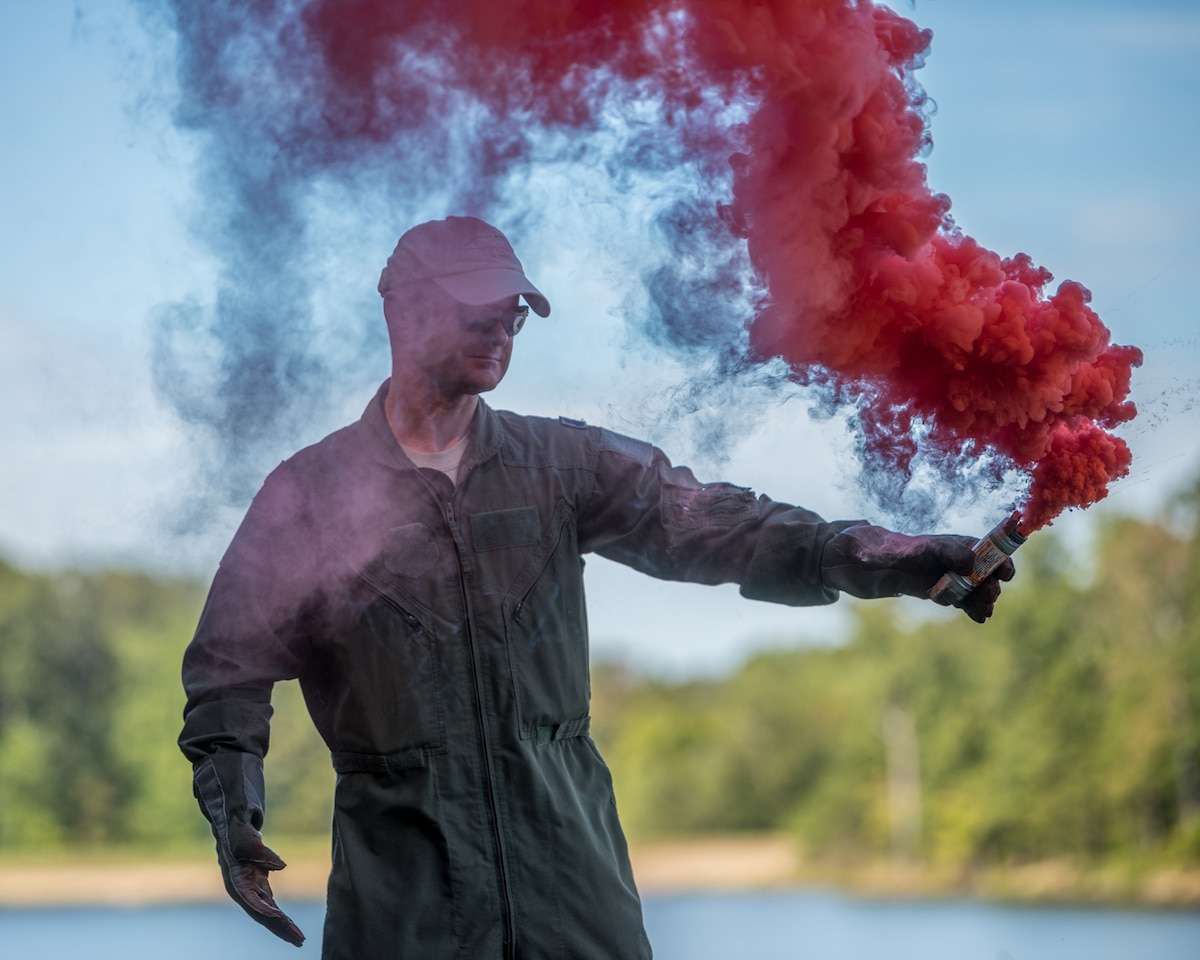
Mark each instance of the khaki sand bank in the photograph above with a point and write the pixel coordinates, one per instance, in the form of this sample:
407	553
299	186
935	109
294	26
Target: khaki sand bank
704	864
716	863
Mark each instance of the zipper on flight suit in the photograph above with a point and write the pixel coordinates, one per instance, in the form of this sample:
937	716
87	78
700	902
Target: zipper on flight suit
510	929
519	606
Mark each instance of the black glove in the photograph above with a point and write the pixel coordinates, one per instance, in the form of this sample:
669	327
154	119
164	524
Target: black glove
245	864
869	562
229	787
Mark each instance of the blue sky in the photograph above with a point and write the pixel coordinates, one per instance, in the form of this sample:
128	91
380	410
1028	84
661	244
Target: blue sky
1068	130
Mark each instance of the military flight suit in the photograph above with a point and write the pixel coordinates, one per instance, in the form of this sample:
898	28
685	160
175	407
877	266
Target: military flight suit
440	639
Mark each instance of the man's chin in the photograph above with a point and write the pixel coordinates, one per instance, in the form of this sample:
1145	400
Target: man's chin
486	376
474	387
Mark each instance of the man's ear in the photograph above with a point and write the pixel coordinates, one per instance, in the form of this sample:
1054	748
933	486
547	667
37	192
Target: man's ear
394	311
397	316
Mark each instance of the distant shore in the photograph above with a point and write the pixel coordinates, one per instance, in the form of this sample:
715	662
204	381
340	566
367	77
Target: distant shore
731	863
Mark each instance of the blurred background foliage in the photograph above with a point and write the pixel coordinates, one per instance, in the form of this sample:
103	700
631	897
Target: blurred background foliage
1068	727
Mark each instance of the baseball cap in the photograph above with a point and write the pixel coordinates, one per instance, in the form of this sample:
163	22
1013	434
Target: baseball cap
469	259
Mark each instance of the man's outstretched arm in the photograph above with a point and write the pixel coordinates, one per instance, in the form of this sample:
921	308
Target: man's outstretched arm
659	519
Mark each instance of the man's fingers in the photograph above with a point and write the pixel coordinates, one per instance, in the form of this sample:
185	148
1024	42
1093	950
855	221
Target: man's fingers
246	863
280	924
245	845
290	932
979	611
980	603
253	890
265	857
956	553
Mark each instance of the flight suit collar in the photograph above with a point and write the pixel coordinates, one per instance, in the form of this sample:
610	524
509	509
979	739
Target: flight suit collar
484	432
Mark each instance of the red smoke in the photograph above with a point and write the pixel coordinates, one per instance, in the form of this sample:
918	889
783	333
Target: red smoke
869	289
867	282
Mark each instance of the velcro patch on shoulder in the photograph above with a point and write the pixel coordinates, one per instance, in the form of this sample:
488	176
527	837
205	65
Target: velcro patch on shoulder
410	550
514	527
708	505
636	450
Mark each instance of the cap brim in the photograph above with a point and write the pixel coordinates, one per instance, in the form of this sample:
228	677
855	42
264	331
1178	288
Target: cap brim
487	286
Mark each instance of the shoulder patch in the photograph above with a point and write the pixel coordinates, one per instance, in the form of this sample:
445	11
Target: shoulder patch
637	450
571	422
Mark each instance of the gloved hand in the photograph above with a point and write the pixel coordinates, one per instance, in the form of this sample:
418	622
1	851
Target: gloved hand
245	864
229	786
869	562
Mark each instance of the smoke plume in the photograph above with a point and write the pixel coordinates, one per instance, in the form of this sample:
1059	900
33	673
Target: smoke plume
795	215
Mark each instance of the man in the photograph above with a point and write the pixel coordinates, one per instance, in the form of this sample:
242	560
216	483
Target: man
420	573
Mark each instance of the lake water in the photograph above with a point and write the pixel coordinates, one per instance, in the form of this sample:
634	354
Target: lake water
759	926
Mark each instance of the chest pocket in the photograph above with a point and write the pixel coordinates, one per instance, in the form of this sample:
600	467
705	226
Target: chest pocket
374	683
546	631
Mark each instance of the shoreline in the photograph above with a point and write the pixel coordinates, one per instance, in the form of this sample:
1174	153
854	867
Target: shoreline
664	868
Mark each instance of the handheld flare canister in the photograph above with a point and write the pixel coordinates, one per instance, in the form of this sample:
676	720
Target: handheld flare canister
1000	543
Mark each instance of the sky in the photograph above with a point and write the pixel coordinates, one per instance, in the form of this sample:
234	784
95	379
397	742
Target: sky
1067	130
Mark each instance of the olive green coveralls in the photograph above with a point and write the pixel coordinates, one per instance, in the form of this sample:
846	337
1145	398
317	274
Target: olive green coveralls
440	639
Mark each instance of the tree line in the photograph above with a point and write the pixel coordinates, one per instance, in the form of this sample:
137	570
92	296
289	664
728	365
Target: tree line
1067	727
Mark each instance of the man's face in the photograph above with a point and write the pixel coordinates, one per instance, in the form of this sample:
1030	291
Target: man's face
463	350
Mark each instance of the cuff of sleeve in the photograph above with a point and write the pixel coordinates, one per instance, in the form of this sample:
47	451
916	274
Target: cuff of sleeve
786	565
229	787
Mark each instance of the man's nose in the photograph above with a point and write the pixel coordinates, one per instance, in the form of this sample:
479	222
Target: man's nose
496	331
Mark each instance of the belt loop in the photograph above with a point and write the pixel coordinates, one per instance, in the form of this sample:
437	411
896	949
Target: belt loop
563	731
389	765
